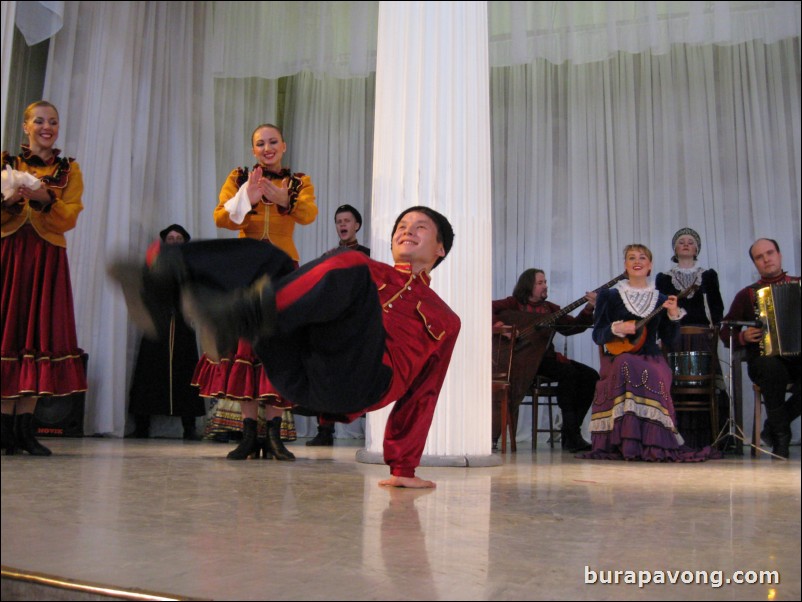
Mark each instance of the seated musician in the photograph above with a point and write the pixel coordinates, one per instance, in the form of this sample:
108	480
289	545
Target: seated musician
633	414
575	382
772	373
704	307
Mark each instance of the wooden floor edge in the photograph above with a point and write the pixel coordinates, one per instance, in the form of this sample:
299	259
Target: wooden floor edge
88	587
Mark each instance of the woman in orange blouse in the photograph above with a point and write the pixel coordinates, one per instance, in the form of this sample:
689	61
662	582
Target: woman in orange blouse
264	203
40	354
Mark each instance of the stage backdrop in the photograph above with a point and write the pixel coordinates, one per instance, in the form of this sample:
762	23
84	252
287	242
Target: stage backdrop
610	123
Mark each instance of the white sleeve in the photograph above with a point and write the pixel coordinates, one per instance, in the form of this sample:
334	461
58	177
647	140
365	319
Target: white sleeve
238	205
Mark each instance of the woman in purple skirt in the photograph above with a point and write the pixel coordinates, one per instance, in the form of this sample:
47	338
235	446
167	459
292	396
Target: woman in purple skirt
633	415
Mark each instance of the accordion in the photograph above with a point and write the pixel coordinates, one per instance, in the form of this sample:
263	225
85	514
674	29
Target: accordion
778	309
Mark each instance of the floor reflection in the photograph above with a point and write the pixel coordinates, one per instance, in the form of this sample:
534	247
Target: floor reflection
173	516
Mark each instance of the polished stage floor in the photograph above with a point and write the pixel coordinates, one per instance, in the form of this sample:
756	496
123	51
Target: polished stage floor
177	518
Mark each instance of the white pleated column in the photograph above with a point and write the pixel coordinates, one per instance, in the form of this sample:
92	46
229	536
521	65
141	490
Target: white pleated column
432	147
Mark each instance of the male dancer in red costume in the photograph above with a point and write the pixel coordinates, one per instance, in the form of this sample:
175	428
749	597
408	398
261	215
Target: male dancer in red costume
341	336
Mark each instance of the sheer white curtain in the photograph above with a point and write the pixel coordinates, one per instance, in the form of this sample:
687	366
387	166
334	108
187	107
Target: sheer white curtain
40	20
328	124
586	155
328	127
591	157
586	32
130	81
240	104
276	39
156	135
329	130
7	12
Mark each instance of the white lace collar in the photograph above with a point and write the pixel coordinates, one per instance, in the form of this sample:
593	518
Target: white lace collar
638	301
683	278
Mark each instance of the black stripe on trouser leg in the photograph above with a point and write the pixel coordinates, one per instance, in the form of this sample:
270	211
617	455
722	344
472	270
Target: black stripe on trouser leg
228	264
327	353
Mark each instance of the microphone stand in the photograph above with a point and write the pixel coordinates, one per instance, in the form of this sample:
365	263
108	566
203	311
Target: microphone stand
731	426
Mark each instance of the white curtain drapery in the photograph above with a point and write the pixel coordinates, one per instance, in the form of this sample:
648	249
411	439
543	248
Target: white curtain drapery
586	32
132	87
589	158
329	131
431	107
277	39
339	38
7	12
586	154
39	21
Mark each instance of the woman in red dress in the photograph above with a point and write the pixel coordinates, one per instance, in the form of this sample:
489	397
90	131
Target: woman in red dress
265	204
40	354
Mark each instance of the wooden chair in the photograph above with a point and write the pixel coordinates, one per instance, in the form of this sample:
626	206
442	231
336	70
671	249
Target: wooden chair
504	338
542	393
694	390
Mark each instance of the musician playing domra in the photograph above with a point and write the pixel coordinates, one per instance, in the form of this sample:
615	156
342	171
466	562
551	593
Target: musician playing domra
771	373
575	381
633	414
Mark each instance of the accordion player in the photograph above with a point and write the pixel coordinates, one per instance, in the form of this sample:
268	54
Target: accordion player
769	310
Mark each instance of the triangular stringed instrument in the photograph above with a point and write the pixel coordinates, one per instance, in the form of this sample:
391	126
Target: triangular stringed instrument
633	342
533	340
544	321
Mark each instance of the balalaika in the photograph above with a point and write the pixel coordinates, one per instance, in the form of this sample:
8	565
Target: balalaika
778	309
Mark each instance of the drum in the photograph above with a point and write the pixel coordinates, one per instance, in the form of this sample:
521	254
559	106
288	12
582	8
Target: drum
690	363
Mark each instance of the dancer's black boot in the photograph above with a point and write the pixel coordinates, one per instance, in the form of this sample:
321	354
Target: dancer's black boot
151	294
190	433
8	440
221	319
249	446
324	437
142	427
25	438
273	445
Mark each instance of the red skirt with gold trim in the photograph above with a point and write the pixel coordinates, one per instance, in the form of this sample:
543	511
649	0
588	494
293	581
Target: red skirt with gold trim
239	377
40	353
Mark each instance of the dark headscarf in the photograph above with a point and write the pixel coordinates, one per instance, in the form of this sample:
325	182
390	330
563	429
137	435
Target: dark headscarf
175	228
683	232
349	209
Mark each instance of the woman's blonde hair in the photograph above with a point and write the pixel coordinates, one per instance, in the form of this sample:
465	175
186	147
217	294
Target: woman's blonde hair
34	105
267	125
636	246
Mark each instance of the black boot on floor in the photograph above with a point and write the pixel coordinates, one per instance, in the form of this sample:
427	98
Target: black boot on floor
8	443
25	438
574	443
273	446
324	437
150	301
190	433
141	427
571	440
249	446
221	319
767	435
781	431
